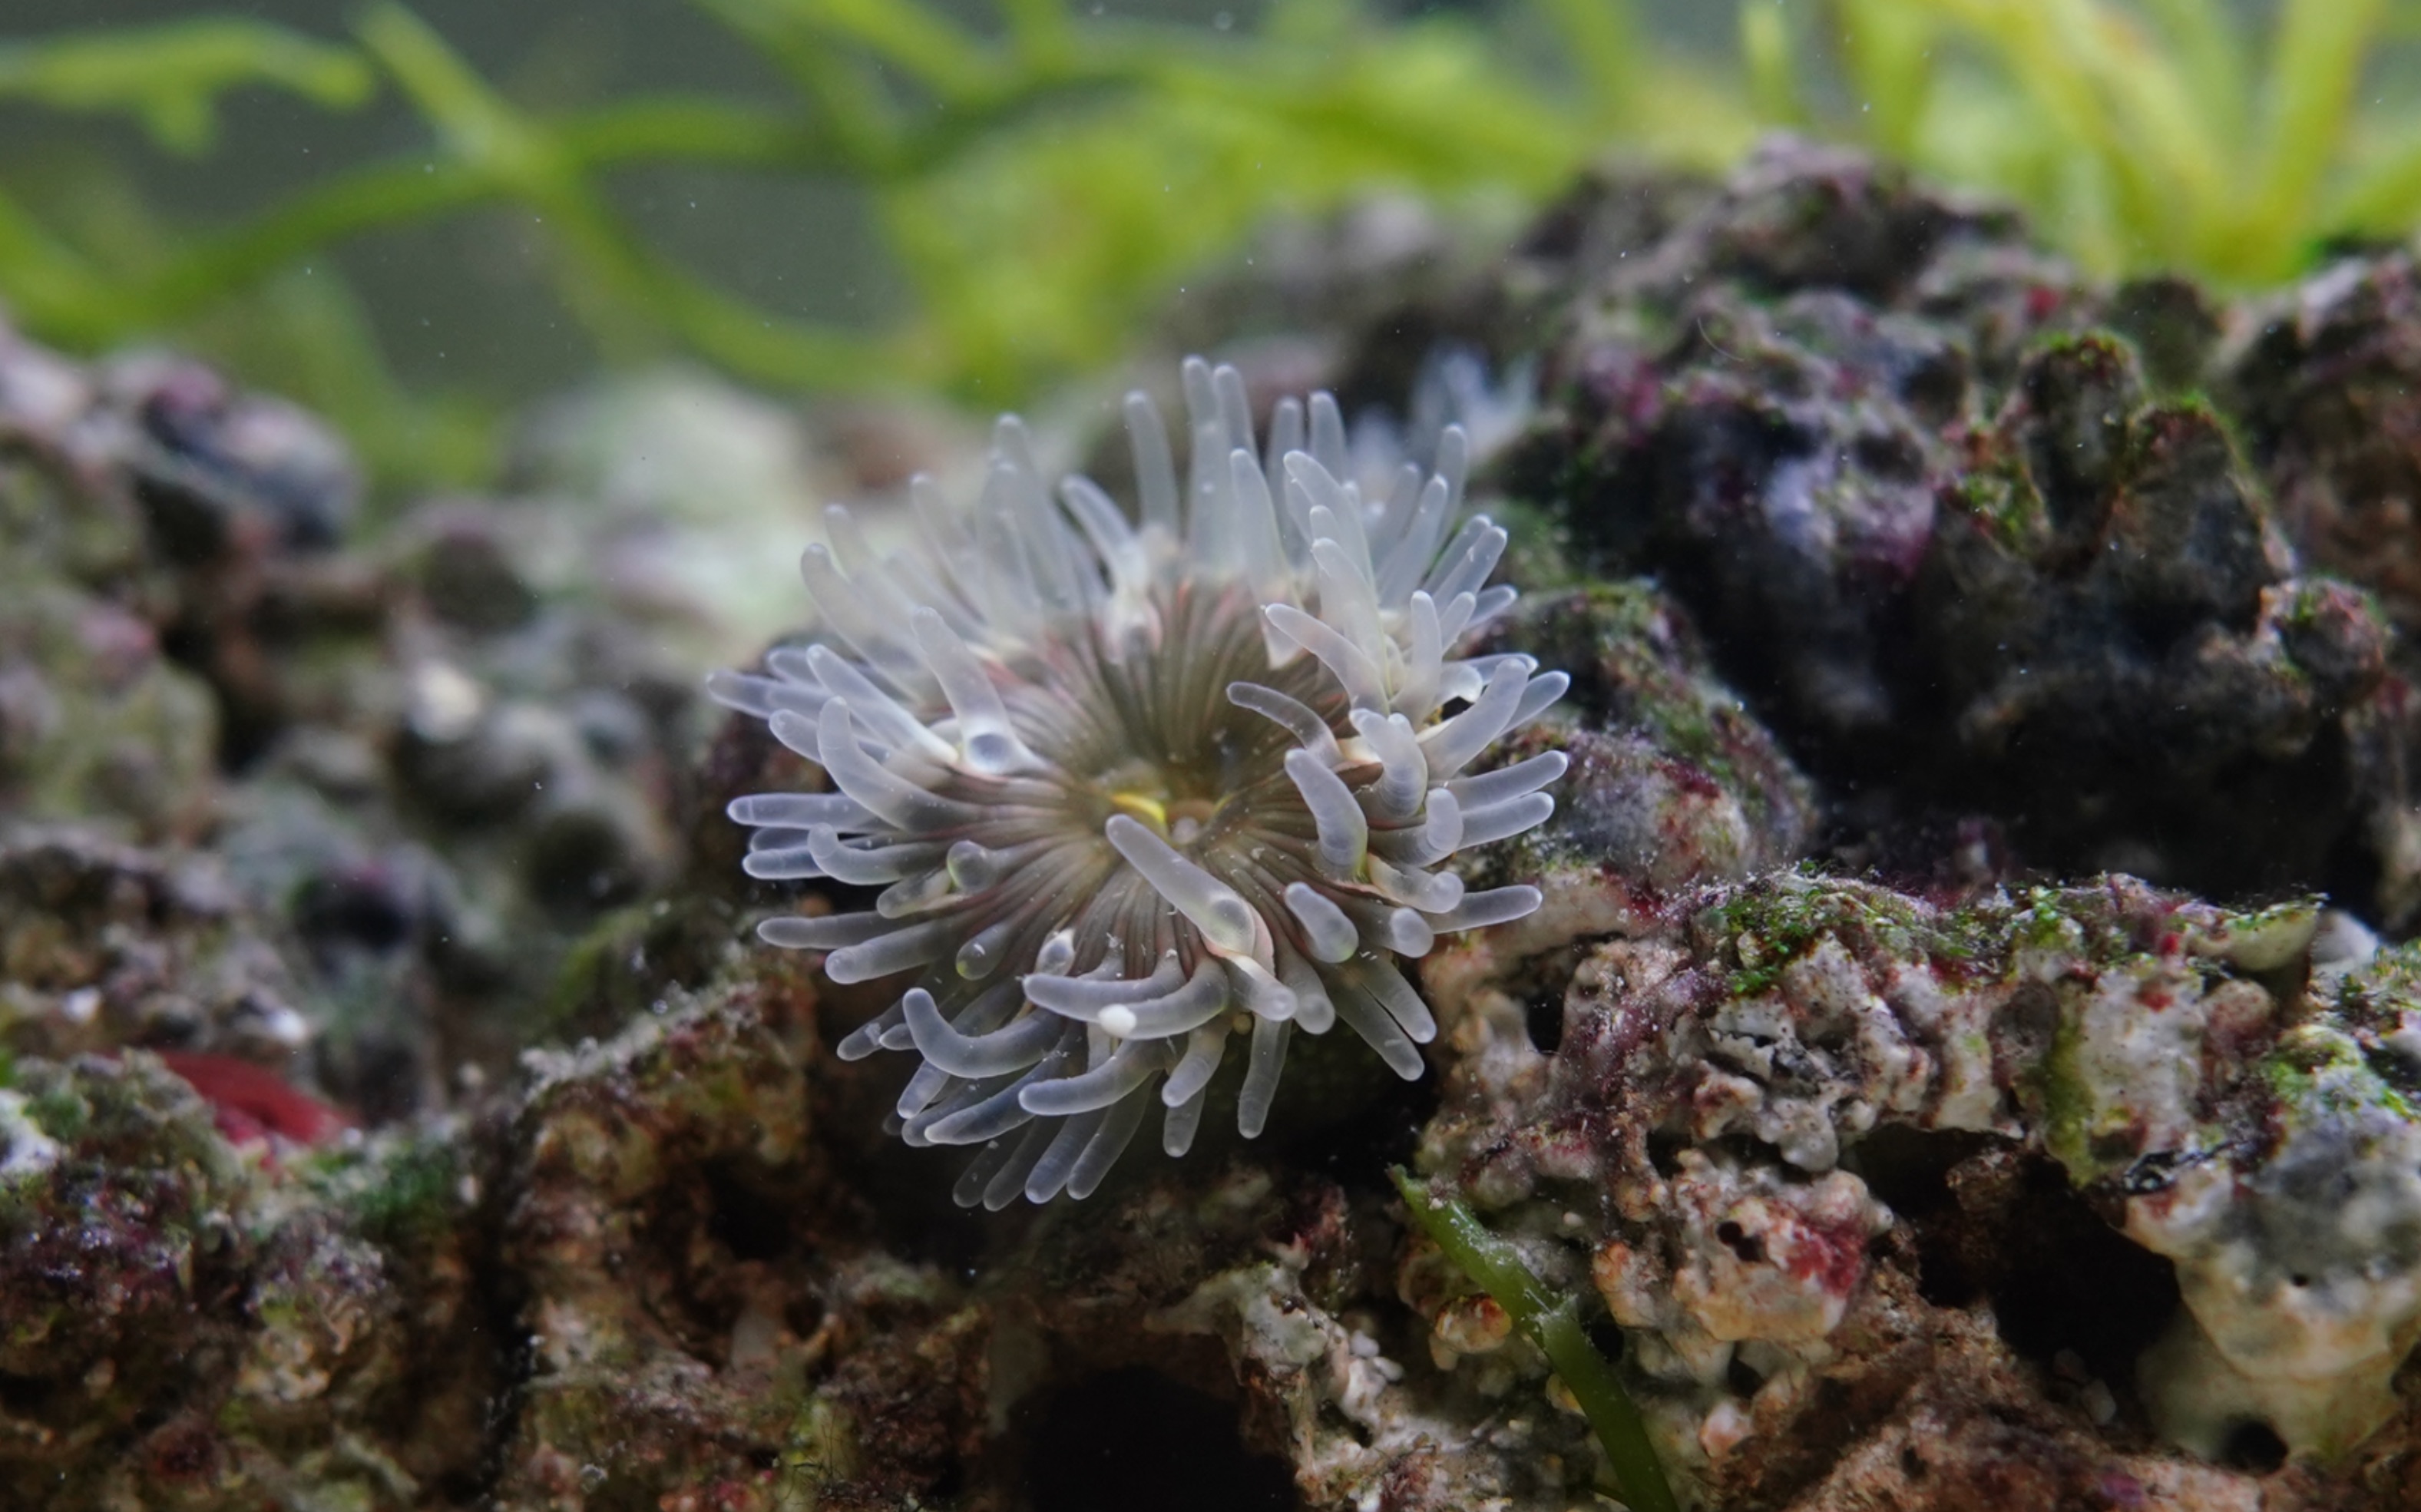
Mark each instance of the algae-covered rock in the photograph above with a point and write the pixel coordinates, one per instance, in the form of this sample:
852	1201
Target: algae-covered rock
420	765
2322	377
1832	1154
107	944
707	1323
1937	524
183	1323
2301	1267
396	1111
94	724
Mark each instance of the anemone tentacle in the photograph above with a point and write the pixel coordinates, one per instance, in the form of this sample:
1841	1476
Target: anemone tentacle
1137	785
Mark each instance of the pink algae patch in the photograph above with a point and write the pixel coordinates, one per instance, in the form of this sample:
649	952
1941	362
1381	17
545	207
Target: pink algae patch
249	1103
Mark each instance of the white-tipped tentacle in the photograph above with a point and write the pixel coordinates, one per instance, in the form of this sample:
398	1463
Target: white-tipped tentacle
866	1038
1003	1110
1226	920
1451	746
1403	771
1431	892
1537	696
761	696
1328	433
1313	1011
1205	1046
1491	788
887	795
1296	717
1178	1126
997	1053
1084	998
1102	1150
866	865
1260	1090
1202	998
830	931
1485	826
780	864
1050	1175
800	810
1363	1014
918	944
1155	471
1352	665
1417	693
988	741
1498	905
1134	1063
1344	831
1327	932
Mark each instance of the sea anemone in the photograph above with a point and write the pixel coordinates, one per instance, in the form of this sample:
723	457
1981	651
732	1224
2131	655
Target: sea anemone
1134	785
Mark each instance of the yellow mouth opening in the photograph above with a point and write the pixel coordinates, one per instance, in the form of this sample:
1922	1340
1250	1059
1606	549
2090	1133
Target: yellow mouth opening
1176	819
1143	806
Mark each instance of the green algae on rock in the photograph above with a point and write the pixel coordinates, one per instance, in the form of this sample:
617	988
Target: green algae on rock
1910	480
2299	1259
1752	1165
181	1321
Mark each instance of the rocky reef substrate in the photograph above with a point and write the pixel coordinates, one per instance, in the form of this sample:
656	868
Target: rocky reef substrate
1968	1056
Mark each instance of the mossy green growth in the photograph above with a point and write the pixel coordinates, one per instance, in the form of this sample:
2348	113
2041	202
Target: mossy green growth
132	746
1539	555
2124	1062
2265	939
628	961
58	1110
397	1189
2381	991
2002	500
2318	1069
1631	655
1771	923
2075	1114
2311	599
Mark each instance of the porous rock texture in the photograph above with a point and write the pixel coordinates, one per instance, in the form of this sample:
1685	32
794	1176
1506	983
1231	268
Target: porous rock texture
1959	523
1965	1058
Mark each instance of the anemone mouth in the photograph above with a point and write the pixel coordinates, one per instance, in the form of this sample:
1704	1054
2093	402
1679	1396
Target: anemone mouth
1154	734
1151	739
1136	787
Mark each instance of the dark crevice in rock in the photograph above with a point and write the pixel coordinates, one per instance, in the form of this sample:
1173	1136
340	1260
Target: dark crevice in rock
1132	1438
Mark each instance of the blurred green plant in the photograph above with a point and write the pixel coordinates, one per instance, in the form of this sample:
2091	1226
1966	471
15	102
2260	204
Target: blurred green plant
1043	181
1043	184
170	77
2187	135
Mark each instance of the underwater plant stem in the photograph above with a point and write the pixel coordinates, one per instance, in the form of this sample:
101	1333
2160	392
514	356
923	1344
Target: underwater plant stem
1554	1326
415	187
169	76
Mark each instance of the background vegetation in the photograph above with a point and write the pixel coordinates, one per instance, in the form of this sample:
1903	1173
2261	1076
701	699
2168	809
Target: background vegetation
982	197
